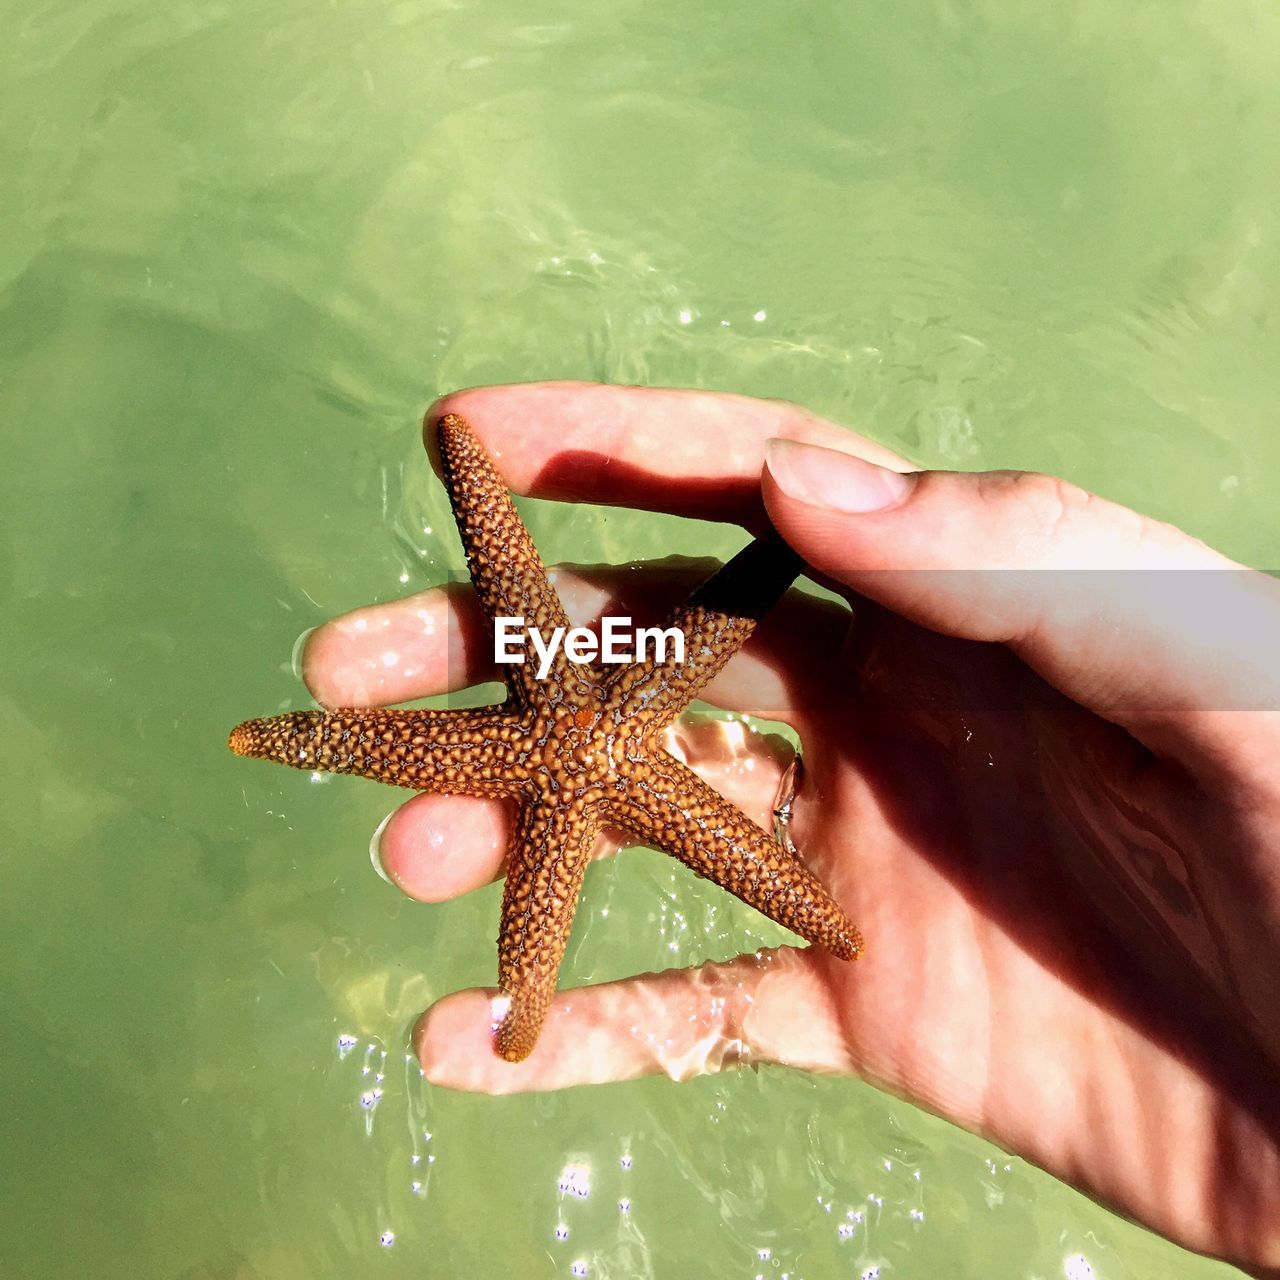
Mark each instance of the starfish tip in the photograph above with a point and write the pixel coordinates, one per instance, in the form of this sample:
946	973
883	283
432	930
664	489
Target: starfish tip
852	946
516	1037
451	424
243	738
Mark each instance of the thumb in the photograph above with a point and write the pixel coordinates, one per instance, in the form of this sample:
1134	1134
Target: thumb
1115	609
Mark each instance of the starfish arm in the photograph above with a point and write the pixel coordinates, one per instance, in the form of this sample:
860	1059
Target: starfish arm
668	806
457	752
549	855
716	622
506	570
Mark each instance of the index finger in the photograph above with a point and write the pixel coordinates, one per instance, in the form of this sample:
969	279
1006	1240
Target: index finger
688	453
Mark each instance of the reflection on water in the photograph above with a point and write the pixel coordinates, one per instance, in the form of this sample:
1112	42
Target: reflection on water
242	249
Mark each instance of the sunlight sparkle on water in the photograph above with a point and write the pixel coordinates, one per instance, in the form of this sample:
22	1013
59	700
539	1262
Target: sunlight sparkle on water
1077	1267
576	1181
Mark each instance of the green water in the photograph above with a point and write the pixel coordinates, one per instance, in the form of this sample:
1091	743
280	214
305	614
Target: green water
242	245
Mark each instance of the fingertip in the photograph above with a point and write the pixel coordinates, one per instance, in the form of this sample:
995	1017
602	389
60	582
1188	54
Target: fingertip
453	1041
451	404
422	645
456	1045
441	406
457	402
436	848
325	662
342	662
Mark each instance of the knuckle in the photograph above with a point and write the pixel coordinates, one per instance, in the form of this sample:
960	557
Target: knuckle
1047	509
1049	501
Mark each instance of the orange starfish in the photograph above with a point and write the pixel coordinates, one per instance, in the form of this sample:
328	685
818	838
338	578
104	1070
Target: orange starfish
580	750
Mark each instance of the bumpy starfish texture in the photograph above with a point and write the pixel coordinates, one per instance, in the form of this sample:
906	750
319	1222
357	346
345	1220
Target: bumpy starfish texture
579	750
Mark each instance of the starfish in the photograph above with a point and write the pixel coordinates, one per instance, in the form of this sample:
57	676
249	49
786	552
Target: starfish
579	750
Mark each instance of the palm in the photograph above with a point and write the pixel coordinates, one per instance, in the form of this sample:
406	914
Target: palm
983	821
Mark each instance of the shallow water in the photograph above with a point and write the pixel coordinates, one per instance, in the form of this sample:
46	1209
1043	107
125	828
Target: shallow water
243	245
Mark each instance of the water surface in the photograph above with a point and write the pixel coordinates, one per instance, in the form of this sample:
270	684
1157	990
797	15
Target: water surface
242	245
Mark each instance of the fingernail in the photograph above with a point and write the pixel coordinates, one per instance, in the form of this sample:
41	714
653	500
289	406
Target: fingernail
375	848
838	481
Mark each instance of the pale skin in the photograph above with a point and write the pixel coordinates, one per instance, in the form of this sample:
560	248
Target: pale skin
1051	801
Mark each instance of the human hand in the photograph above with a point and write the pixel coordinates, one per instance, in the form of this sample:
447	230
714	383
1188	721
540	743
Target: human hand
1040	756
